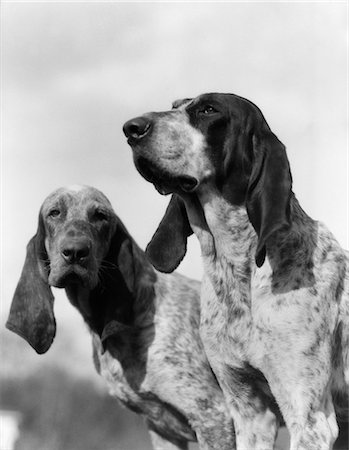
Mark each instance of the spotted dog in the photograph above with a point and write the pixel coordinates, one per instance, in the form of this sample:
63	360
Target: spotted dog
144	324
274	302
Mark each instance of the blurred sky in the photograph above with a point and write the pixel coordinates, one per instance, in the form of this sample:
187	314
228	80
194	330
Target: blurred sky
73	73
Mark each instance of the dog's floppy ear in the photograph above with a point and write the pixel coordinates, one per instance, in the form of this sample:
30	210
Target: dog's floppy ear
125	255
269	189
31	314
126	263
129	276
168	246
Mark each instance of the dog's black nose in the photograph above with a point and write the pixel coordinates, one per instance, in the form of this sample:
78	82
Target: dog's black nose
137	128
75	252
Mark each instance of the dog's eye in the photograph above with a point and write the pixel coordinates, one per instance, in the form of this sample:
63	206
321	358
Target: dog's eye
54	213
100	216
208	109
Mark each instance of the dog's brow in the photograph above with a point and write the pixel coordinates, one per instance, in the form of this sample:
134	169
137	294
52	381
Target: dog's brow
177	104
53	200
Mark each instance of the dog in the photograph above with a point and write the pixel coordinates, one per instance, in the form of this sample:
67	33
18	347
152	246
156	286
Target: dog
275	293
144	324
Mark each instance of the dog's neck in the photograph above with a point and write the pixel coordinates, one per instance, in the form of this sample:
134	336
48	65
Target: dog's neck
117	299
228	243
223	229
291	251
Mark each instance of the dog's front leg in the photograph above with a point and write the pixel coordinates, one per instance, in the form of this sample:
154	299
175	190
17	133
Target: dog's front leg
256	425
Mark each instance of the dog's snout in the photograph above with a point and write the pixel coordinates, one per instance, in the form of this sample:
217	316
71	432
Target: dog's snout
75	251
137	128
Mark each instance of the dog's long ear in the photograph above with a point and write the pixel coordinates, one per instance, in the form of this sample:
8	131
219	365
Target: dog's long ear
31	314
125	255
168	246
130	276
127	264
269	189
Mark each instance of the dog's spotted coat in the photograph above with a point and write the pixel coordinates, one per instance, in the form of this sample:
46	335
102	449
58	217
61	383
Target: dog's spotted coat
144	324
275	294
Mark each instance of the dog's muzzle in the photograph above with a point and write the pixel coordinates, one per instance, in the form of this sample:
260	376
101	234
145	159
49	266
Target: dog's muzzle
164	182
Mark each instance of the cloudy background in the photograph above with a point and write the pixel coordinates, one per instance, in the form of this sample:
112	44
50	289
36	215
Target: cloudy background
73	73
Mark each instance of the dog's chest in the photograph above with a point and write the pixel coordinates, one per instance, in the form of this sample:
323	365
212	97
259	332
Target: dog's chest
112	371
226	319
150	365
130	381
226	288
231	287
133	381
238	318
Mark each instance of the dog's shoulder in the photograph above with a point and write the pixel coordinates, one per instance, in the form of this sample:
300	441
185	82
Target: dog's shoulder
330	261
177	319
124	385
177	297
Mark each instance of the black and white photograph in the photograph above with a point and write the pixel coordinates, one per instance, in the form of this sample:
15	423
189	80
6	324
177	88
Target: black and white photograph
174	225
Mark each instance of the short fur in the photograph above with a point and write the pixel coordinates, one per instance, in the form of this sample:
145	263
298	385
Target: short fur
144	325
275	294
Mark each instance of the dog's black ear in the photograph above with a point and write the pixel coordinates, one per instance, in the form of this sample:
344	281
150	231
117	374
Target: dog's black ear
168	246
127	264
128	275
31	314
269	189
125	255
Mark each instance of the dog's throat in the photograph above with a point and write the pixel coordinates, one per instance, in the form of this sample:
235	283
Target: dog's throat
79	297
232	232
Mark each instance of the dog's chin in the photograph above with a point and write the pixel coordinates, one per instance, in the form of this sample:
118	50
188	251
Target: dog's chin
177	185
70	278
163	189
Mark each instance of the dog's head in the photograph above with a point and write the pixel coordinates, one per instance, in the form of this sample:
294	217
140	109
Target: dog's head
78	238
221	139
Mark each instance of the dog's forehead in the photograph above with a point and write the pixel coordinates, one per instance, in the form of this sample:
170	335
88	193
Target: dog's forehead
216	98
211	98
74	195
77	188
238	107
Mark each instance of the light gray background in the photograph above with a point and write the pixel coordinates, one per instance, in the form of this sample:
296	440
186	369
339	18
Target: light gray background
73	73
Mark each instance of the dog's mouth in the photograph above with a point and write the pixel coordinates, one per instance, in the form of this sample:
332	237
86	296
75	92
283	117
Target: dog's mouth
72	276
165	182
188	183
